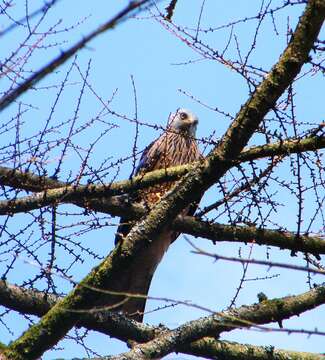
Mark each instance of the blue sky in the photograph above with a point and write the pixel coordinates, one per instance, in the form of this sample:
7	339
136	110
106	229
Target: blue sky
159	64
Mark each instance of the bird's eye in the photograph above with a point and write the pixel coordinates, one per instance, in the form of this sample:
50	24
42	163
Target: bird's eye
183	115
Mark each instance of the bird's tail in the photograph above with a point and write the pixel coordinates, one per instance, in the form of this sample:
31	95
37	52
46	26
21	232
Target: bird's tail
140	274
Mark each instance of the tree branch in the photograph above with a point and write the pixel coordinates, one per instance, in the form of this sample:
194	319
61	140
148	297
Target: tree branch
59	192
57	322
286	147
27	180
211	348
120	206
34	302
243	317
247	234
64	56
53	192
267	263
116	325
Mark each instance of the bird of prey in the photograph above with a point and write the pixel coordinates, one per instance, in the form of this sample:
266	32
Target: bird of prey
176	146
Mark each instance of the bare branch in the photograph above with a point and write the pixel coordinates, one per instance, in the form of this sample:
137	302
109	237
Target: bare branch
64	56
258	262
41	10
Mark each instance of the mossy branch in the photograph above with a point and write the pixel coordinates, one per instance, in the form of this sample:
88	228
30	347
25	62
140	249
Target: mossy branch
58	192
211	348
243	317
53	192
247	234
35	303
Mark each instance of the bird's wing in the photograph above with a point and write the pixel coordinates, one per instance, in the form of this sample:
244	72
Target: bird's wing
148	161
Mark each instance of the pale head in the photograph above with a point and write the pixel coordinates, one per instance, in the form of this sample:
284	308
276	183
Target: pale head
184	121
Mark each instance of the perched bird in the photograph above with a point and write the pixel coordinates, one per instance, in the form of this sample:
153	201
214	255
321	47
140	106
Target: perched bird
176	146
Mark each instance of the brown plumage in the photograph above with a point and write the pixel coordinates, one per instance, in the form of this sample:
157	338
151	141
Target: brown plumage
176	146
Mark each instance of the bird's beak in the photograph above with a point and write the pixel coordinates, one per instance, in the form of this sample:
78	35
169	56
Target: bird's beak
189	123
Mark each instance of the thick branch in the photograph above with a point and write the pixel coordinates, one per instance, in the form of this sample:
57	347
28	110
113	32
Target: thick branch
286	147
216	232
65	193
27	180
33	302
211	348
58	192
116	325
57	322
243	317
120	206
219	232
31	182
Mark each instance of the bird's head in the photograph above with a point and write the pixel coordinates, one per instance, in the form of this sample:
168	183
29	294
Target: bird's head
183	121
